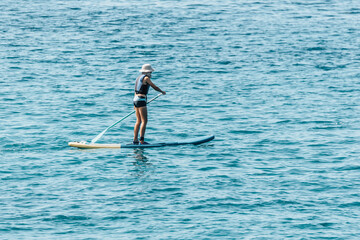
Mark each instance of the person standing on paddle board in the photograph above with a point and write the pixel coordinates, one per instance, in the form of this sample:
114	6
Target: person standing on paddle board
142	85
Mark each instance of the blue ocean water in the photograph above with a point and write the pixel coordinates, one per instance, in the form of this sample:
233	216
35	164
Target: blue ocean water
277	83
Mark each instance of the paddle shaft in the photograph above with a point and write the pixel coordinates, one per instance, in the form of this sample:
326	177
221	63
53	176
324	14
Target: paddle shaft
103	132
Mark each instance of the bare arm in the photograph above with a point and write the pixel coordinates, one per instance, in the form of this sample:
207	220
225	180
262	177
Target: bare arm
156	88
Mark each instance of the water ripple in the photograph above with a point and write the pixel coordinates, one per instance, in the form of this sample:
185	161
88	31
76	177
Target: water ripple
275	81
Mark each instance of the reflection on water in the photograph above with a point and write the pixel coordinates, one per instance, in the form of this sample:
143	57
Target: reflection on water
139	155
142	163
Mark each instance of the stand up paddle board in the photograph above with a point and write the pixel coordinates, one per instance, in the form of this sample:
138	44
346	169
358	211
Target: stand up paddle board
195	141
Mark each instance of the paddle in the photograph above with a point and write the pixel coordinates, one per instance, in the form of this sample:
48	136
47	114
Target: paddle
103	132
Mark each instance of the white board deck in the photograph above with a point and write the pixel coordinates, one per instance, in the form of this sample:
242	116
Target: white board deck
93	145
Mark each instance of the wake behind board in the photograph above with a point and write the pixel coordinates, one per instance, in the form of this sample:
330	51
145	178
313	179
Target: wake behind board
194	141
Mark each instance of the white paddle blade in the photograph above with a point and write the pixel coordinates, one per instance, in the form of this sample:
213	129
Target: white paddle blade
98	136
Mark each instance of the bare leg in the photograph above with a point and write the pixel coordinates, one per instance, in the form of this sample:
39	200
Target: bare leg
137	124
143	116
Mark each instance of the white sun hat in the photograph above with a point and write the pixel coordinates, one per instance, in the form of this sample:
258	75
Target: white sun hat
146	68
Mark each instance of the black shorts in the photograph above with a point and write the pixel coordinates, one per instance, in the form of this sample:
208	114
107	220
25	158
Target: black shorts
139	101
